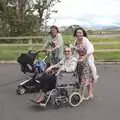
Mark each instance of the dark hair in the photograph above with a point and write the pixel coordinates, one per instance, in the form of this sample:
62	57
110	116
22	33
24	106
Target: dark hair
55	27
83	30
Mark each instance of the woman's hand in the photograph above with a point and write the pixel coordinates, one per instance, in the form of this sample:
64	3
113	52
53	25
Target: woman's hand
48	69
48	50
62	69
82	58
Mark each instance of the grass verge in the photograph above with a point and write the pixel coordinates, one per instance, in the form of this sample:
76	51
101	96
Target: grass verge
12	52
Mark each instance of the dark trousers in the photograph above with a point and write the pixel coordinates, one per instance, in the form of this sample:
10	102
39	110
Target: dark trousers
55	56
47	82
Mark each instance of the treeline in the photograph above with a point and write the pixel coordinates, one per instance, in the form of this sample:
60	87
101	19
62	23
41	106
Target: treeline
25	17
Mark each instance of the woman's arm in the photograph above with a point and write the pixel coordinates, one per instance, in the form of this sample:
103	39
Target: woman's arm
58	65
47	42
89	47
75	42
60	39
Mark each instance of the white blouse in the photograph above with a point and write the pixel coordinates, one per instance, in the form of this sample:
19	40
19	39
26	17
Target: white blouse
88	45
67	64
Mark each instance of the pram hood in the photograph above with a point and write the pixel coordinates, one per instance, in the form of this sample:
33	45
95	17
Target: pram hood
26	59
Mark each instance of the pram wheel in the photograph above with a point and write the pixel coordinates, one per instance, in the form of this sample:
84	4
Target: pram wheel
75	99
21	90
57	104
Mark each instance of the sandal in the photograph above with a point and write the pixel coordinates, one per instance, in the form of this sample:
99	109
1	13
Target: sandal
90	97
39	100
34	101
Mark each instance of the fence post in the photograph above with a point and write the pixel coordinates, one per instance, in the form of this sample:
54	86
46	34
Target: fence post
30	44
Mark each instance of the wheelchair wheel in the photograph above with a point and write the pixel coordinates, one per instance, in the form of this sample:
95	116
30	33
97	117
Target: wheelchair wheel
75	99
57	104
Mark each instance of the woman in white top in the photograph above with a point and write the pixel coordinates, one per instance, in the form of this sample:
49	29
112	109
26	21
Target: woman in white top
67	64
82	41
55	42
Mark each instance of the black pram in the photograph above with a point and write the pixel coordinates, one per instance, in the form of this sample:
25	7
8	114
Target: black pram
32	72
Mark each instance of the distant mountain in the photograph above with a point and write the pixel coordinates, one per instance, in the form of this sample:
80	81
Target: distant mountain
111	28
91	25
94	24
89	22
101	26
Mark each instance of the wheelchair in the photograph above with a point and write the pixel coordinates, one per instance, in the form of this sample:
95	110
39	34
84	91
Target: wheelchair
68	91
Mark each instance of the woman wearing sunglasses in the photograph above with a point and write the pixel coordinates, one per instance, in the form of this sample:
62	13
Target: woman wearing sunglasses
66	65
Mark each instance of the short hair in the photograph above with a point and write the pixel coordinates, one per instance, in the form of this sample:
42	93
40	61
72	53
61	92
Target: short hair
82	51
83	30
55	27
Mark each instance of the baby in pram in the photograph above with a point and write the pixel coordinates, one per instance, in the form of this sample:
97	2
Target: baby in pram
48	82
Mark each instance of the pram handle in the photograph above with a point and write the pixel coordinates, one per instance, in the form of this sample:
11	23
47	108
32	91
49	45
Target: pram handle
40	51
44	50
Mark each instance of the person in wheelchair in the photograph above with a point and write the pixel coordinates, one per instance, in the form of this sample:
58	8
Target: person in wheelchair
67	64
48	81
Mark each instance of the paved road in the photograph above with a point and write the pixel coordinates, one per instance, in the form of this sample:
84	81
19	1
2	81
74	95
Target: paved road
105	106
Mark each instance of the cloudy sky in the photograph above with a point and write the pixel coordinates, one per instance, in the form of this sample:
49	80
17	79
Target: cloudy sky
88	12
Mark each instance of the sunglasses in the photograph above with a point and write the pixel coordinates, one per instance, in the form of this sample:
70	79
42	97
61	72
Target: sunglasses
66	51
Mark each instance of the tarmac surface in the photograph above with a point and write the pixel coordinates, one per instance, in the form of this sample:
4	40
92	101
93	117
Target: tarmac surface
104	106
